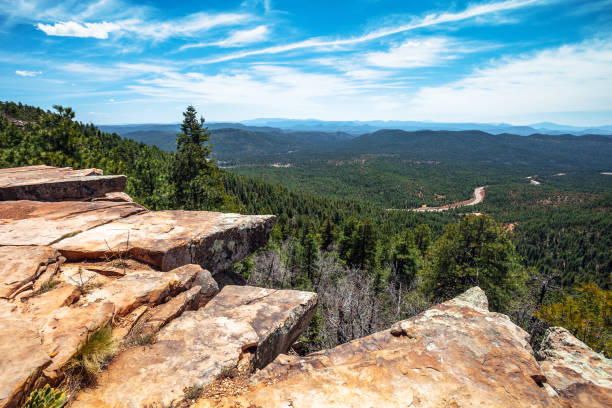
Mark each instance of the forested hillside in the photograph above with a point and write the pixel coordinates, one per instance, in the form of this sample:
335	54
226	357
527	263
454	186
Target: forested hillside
539	251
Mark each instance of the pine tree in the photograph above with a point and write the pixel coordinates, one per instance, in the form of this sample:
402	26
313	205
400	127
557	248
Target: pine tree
329	234
474	252
196	180
407	260
310	256
364	246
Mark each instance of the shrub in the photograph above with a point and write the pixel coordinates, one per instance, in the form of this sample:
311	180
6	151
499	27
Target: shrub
46	397
193	392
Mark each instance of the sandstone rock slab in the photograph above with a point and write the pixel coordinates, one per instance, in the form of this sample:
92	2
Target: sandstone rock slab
46	183
145	287
22	265
22	357
198	346
169	239
43	223
456	354
582	377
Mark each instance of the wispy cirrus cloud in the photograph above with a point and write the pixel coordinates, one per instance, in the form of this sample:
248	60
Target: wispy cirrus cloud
236	39
102	18
413	53
189	26
573	77
28	73
427	21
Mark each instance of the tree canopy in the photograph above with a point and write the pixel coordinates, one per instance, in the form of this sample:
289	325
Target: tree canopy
474	252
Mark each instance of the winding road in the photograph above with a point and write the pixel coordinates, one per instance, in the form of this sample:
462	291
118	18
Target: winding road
479	195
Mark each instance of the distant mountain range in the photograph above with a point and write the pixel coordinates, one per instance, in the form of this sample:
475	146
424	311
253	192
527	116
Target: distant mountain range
356	128
361	127
236	144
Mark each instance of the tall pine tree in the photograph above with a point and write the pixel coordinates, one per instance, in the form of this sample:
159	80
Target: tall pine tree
196	180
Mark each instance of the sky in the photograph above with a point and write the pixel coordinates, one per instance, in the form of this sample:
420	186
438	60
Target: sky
123	61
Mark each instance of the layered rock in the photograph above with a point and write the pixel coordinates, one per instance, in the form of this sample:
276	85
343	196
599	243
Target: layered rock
581	377
240	327
169	239
83	256
22	358
48	328
21	266
456	354
46	223
45	183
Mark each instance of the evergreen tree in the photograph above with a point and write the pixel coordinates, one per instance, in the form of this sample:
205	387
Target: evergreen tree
407	260
474	252
420	238
310	256
364	246
196	180
329	234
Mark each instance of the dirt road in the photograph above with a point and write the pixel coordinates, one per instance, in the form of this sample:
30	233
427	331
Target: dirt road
479	195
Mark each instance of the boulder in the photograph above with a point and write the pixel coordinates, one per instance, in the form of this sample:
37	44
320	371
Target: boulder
581	377
456	354
199	346
169	239
43	223
45	183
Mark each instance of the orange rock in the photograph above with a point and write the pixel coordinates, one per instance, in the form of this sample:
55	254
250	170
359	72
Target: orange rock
42	223
197	347
46	183
169	239
581	377
456	354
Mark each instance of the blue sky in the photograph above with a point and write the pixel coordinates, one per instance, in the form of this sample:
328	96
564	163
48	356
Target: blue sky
121	61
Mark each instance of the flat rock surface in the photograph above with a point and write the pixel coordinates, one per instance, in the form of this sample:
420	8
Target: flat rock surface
456	354
169	239
43	223
582	377
197	347
21	265
22	357
46	183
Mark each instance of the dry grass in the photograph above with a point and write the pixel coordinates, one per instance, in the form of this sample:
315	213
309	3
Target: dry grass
91	359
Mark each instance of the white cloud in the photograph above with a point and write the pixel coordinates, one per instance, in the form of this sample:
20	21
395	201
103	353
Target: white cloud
569	78
28	73
243	37
236	39
264	90
413	53
188	26
96	73
427	21
74	29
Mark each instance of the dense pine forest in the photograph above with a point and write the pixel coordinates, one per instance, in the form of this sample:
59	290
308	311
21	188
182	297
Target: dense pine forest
542	253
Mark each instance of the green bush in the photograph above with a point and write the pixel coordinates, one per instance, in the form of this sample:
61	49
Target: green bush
46	397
